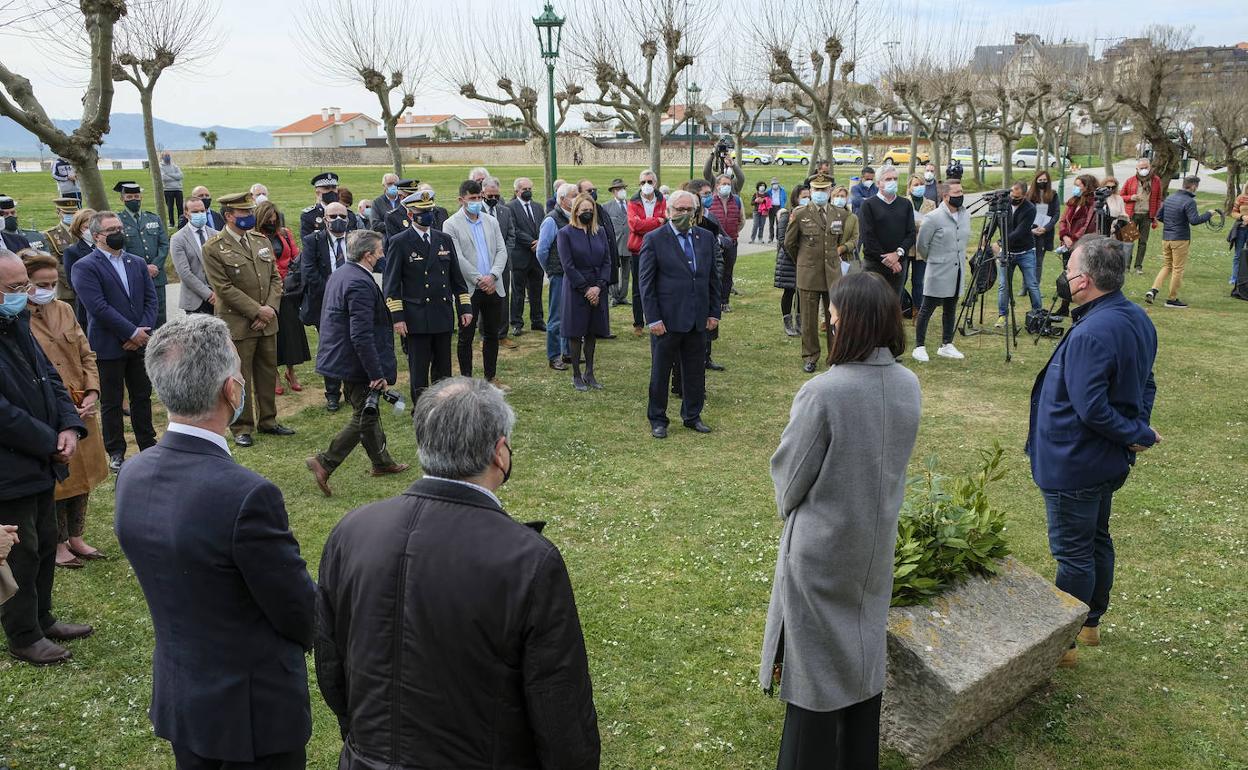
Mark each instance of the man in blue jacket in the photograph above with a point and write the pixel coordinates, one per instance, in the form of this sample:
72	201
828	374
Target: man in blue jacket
1090	411
1178	213
357	348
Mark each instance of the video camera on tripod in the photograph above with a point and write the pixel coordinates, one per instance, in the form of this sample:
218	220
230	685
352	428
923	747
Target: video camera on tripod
720	154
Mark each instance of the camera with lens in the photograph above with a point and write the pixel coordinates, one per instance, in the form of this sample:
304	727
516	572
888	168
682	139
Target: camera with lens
998	201
954	170
372	402
1041	323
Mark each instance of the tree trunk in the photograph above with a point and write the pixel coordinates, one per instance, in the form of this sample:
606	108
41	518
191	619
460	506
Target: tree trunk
1165	158
1007	163
655	121
914	146
1107	149
149	139
1232	184
90	180
392	141
865	140
828	142
976	172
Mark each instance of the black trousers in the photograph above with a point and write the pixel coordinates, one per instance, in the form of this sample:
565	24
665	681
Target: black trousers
638	316
730	262
173	205
895	280
619	292
118	377
33	563
949	314
845	739
487	314
161	316
428	360
290	760
688	351
772	214
527	281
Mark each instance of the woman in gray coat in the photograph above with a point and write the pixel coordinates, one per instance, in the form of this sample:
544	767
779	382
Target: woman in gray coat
840	475
942	242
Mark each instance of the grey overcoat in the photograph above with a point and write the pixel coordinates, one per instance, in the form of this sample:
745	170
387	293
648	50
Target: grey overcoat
942	242
840	475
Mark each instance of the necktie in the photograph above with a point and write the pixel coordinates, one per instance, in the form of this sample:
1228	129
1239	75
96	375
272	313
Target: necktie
532	219
339	259
199	232
687	245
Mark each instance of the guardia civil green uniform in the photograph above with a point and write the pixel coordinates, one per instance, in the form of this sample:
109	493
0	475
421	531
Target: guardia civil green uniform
146	238
817	239
242	270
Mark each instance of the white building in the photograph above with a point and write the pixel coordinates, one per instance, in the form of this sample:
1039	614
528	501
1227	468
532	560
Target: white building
423	126
331	128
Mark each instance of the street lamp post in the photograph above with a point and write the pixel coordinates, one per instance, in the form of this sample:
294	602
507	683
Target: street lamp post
549	35
691	94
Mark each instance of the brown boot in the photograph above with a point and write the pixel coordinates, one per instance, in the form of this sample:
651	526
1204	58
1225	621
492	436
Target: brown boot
1070	659
320	474
42	653
1090	636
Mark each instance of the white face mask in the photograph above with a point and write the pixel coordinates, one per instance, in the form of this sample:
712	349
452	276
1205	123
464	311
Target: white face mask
929	176
43	296
261	198
647	188
621	194
868	183
1143	172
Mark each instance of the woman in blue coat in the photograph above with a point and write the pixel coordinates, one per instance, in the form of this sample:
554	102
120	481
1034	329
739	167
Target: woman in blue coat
585	254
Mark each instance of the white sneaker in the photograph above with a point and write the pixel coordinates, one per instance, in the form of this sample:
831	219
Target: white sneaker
920	354
949	351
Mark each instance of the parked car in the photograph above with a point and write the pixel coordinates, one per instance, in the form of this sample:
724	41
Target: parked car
899	155
853	155
1029	158
791	155
985	159
753	156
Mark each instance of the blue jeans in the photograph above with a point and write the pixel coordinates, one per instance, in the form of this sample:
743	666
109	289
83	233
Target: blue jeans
556	345
1026	262
914	270
1241	242
1080	543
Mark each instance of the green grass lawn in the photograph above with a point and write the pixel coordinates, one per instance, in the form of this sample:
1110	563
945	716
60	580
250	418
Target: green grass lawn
671	545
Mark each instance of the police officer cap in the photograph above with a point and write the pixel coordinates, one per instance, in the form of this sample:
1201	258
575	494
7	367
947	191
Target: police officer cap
244	200
421	200
7	202
820	182
127	188
67	204
407	185
617	184
326	179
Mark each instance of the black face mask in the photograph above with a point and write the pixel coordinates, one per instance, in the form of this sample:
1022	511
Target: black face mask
1042	183
585	217
511	459
10	223
491	201
593	194
329	197
526	195
207	203
269	228
1063	287
115	241
1016	201
337	226
955	201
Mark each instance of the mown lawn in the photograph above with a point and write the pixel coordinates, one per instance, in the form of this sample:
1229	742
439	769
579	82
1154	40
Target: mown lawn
671	545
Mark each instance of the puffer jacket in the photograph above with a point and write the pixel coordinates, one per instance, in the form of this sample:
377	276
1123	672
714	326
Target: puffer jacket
786	270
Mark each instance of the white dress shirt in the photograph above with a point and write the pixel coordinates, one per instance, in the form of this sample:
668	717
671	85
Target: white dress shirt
206	435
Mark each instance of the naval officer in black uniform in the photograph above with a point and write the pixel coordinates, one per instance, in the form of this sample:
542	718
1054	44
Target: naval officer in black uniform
313	217
425	293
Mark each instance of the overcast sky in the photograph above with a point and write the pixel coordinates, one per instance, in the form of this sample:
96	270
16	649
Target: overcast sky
260	77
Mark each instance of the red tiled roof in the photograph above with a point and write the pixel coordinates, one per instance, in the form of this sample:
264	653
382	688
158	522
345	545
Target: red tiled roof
476	122
314	123
425	120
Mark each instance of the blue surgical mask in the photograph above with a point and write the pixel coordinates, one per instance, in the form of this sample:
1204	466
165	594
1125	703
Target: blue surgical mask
13	304
890	187
245	222
919	190
474	207
199	219
725	190
839	202
392	191
67	219
242	401
819	198
707	200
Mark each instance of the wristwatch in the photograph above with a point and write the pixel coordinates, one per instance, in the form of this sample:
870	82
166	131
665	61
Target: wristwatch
900	252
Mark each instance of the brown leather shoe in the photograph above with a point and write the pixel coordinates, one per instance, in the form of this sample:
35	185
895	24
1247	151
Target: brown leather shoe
73	563
388	469
1070	659
508	343
92	556
320	474
500	385
1090	636
61	631
41	653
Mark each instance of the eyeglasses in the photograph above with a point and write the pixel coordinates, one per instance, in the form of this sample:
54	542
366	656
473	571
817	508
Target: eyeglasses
332	217
110	230
16	288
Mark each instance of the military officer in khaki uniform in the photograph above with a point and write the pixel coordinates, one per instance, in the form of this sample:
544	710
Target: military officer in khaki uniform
241	269
58	239
819	236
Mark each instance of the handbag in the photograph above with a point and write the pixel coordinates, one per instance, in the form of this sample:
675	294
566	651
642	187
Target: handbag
1129	232
292	284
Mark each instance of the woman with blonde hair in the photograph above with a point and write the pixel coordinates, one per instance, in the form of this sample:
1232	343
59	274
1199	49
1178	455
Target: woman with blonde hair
81	247
63	341
585	254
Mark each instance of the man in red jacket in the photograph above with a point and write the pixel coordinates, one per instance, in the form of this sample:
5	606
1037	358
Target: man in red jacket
646	211
1141	188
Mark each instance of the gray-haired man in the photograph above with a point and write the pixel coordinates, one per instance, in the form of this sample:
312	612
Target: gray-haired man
488	650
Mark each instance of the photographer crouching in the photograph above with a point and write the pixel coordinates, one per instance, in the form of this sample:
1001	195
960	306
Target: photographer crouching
357	347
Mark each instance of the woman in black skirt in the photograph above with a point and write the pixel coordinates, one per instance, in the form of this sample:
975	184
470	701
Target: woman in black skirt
292	339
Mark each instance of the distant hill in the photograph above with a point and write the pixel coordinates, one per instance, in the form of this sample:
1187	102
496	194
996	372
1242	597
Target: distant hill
125	137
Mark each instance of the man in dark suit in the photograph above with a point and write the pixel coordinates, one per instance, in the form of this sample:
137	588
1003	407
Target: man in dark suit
491	194
680	296
41	433
324	252
117	290
476	610
357	348
231	600
391	199
526	273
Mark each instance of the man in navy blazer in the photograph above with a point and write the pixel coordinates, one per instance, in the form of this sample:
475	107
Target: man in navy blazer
231	600
117	291
1090	411
324	252
680	297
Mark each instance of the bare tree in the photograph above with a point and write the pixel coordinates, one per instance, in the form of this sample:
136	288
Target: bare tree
81	147
1145	83
377	44
635	61
863	107
929	93
1220	132
1102	109
973	114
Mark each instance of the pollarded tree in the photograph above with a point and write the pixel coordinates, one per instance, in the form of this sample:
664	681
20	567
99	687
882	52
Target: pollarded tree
863	107
18	101
377	44
1220	132
1146	83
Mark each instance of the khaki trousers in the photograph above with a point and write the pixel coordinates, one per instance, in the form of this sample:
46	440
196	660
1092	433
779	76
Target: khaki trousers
258	362
809	301
1173	262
